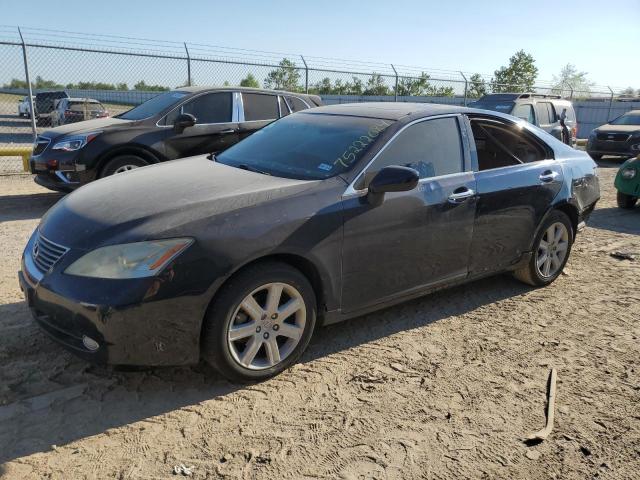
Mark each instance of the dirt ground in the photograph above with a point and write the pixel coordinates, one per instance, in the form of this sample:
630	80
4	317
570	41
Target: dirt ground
443	387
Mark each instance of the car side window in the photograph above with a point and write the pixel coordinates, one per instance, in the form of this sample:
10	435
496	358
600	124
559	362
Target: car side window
500	144
431	147
207	108
525	112
546	113
259	106
296	104
284	109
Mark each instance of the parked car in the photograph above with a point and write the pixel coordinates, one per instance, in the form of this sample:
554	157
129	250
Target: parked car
72	110
180	123
45	104
24	107
627	183
323	215
620	137
541	110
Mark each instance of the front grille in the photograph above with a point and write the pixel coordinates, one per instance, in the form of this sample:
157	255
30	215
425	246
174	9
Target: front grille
613	137
45	253
40	145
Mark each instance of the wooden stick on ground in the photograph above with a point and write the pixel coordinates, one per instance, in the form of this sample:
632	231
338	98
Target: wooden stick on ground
551	406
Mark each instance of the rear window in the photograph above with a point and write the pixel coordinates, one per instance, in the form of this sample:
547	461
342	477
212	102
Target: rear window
296	104
82	105
259	107
503	107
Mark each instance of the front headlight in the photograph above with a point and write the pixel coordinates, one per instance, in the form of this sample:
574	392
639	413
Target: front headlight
628	173
129	260
75	142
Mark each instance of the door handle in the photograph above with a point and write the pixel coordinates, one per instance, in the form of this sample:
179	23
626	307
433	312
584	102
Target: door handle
230	130
548	176
461	196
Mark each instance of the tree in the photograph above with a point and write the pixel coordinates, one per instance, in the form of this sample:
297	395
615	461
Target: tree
142	86
42	83
414	87
477	86
15	83
629	92
249	81
285	77
571	79
376	86
520	75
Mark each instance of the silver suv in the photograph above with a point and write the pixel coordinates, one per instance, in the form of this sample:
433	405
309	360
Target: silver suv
541	110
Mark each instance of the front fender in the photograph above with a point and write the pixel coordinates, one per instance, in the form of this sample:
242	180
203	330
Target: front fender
629	186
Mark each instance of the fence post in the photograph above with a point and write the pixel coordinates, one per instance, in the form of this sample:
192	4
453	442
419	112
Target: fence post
306	75
26	74
610	104
188	65
571	92
466	84
396	88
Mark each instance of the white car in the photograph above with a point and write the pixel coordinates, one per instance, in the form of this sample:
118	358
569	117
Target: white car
24	108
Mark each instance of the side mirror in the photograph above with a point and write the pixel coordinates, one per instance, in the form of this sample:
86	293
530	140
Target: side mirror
391	179
183	121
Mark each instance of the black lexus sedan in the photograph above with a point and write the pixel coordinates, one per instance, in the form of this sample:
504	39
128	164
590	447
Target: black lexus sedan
323	215
620	137
180	123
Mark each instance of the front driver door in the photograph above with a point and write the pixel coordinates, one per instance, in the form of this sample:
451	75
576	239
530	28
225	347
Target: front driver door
214	130
415	239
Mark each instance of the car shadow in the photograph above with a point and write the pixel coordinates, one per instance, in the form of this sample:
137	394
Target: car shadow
616	219
101	398
26	207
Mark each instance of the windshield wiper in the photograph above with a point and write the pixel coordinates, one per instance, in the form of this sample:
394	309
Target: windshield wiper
250	168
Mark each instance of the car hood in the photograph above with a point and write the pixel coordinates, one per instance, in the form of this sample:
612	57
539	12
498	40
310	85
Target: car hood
86	126
618	128
158	201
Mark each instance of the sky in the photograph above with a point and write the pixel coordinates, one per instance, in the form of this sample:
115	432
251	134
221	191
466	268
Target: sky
471	36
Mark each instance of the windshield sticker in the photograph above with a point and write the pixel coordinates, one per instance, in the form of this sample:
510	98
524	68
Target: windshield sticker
350	154
324	166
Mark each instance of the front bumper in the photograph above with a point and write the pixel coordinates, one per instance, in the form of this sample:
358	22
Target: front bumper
602	147
132	322
55	180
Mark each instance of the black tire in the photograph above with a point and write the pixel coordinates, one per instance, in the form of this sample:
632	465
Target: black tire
596	157
626	201
122	161
530	273
215	347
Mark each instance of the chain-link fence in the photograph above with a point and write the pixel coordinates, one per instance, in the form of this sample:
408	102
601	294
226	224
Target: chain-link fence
120	72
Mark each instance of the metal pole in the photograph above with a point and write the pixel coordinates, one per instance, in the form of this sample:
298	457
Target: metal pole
26	74
306	75
466	83
571	92
188	65
610	104
396	89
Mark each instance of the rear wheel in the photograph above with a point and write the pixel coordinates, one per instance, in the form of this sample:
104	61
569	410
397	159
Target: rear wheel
551	250
260	322
121	164
626	201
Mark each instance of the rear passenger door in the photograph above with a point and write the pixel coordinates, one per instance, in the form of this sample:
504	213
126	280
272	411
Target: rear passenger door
259	110
214	130
517	180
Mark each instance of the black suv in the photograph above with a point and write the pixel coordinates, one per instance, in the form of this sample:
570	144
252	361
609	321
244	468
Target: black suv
46	103
179	123
619	137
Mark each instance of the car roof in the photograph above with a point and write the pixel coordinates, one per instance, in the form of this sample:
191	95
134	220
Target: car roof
198	89
387	110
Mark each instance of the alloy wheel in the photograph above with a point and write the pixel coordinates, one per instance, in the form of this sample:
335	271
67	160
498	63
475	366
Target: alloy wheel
125	168
552	250
267	326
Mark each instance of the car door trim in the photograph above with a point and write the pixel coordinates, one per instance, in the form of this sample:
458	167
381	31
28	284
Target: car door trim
351	191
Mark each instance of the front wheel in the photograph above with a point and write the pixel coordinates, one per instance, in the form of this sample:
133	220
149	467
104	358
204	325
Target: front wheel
121	164
626	201
260	322
551	250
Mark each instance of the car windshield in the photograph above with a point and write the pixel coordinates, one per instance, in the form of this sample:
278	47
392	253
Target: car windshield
154	106
503	107
627	119
306	146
